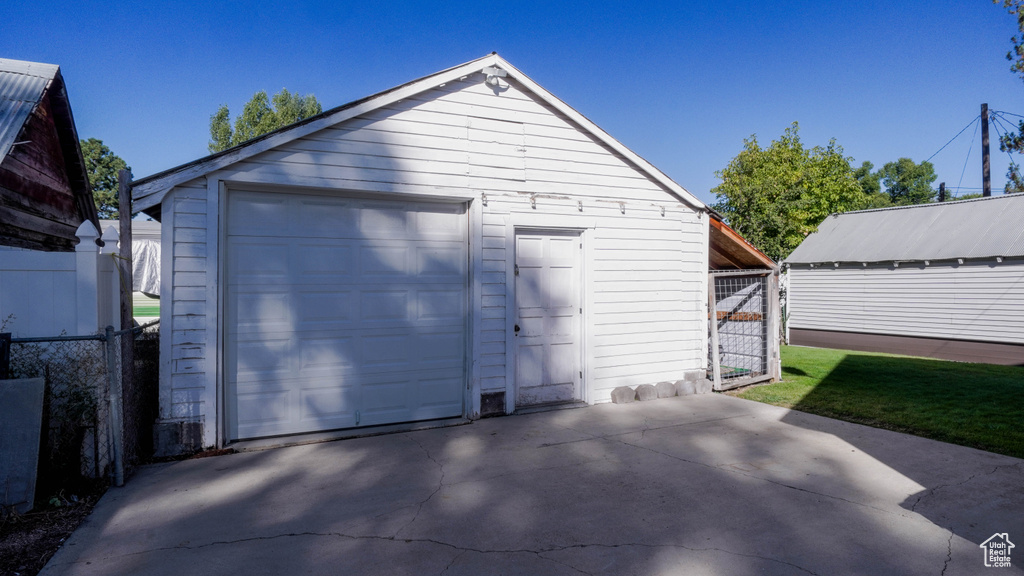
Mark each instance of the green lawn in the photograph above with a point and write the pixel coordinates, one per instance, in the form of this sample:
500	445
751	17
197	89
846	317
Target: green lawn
978	405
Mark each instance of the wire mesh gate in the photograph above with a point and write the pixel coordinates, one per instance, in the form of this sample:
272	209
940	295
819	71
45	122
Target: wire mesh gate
740	327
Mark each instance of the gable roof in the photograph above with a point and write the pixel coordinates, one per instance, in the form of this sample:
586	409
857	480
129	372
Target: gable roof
149	191
22	85
979	228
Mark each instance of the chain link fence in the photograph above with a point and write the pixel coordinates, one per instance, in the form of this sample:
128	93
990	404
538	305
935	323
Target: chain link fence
100	401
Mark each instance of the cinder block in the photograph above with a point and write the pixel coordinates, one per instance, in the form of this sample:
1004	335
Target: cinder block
623	395
665	389
686	387
694	375
492	404
646	392
177	437
705	386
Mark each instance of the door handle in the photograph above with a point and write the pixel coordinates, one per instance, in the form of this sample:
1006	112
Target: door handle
517	328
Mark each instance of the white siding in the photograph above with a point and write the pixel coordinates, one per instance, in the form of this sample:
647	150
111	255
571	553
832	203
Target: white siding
981	301
647	251
188	374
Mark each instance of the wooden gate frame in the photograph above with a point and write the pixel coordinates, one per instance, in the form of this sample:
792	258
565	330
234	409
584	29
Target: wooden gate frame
773	332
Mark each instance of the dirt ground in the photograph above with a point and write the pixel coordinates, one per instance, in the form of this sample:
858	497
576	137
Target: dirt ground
28	541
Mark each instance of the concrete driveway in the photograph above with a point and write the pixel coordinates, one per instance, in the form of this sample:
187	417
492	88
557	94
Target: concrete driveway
691	485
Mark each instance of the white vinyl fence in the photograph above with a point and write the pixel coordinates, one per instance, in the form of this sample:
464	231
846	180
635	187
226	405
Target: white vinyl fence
72	293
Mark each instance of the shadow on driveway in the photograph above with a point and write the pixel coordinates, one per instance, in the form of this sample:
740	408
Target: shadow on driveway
694	485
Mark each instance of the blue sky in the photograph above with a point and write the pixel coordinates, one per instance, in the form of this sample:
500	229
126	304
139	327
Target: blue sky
680	83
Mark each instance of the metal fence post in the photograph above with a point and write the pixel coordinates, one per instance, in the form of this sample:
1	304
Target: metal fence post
114	399
5	355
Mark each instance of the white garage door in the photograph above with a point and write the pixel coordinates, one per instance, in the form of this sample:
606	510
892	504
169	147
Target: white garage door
342	312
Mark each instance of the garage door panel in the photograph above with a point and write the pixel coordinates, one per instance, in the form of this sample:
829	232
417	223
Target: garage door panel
326	357
385	353
441	305
440	262
263	407
252	309
255	261
438	223
323	217
343	312
326	259
319	309
439	348
383	305
262	359
256	213
334	403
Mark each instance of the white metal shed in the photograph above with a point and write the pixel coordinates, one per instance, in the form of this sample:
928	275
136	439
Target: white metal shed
944	280
461	245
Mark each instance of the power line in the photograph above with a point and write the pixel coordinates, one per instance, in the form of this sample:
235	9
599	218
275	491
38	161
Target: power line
1010	113
998	125
976	118
962	172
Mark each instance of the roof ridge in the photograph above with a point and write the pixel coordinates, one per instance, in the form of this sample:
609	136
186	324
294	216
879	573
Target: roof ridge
930	204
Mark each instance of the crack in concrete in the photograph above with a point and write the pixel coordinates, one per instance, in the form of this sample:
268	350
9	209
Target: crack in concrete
440	485
463	549
931	491
450	564
949	553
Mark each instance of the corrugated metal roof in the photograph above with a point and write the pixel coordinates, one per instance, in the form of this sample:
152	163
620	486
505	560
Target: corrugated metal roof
21	87
980	228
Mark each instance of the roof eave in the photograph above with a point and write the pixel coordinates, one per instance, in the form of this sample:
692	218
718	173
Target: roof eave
149	191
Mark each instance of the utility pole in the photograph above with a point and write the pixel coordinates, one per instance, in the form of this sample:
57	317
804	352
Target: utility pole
986	178
942	191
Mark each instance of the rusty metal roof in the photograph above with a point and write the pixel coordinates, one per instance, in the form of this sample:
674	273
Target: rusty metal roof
979	228
22	85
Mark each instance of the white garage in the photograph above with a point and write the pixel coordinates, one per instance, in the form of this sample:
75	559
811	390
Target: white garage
462	245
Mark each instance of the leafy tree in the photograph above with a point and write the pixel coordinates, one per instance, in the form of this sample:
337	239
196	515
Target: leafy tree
1014	142
870	184
867	179
908	183
1016	54
776	196
261	114
102	166
1014	181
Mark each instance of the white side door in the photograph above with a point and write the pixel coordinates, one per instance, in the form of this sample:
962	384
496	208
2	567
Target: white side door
548	311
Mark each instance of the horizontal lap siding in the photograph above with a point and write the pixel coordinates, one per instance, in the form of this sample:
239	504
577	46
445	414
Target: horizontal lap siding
420	145
495	304
647	317
187	361
974	301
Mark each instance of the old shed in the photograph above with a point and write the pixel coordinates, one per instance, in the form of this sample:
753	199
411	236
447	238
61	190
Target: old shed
944	280
461	245
44	188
